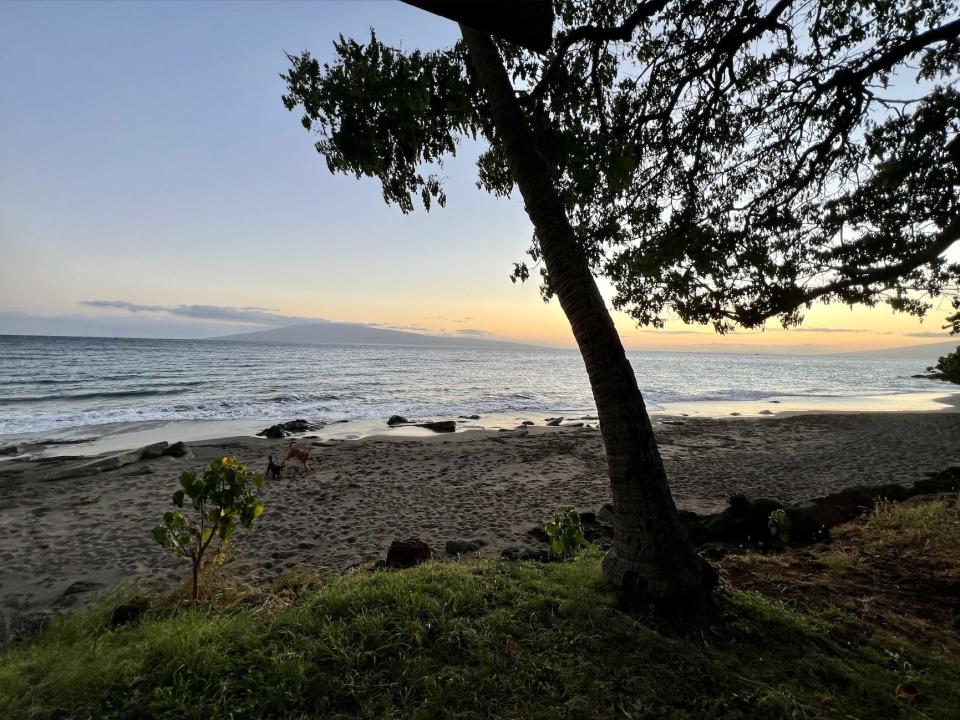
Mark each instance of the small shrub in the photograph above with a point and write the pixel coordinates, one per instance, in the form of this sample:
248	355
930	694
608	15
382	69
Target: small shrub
779	524
565	533
224	497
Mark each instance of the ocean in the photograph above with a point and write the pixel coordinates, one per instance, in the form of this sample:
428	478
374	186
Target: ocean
50	385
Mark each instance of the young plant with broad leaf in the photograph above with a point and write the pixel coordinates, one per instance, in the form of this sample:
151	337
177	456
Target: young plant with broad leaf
566	533
224	497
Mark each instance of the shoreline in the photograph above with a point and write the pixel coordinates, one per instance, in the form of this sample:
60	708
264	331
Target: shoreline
93	440
64	535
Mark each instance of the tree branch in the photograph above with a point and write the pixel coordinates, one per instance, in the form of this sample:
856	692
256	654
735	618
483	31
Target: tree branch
592	33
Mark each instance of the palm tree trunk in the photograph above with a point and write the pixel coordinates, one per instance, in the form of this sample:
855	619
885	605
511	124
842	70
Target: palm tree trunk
652	556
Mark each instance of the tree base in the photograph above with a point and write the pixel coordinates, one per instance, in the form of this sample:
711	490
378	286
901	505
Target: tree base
673	593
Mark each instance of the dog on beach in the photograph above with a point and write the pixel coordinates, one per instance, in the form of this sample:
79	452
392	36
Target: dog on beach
272	468
301	454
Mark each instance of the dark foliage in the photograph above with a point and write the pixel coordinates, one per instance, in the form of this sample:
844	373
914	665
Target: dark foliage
726	161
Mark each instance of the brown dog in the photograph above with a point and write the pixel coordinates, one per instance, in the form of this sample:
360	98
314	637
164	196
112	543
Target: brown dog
300	454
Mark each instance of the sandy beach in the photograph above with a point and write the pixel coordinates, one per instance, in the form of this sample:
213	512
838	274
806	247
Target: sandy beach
61	539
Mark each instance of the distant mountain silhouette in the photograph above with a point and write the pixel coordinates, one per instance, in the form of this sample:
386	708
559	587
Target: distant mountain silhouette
928	352
333	333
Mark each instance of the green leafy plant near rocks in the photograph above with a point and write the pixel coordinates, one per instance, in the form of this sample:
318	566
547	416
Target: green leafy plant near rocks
779	524
225	497
565	533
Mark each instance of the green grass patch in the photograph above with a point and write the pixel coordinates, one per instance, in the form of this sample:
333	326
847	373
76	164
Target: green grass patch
935	523
468	640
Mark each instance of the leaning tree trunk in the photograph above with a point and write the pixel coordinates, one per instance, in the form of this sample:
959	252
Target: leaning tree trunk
652	555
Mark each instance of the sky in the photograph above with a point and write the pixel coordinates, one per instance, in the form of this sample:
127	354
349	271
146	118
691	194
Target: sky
152	184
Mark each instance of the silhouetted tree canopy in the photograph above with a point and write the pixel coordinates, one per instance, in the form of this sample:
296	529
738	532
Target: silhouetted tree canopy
726	161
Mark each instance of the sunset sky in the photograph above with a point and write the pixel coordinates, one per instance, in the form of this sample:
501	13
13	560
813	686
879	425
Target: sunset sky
146	160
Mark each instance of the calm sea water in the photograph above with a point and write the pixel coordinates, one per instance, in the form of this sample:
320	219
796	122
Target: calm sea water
53	383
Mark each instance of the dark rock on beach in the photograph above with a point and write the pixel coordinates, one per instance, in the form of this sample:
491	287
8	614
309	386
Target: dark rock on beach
394	420
464	547
407	553
439	425
554	422
281	430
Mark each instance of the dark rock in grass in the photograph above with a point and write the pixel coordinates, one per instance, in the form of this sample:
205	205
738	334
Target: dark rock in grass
464	547
605	515
511	553
554	422
394	420
811	522
129	612
856	500
407	553
178	449
743	521
944	481
439	426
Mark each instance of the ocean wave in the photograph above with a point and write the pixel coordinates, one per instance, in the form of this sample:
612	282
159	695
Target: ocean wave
100	394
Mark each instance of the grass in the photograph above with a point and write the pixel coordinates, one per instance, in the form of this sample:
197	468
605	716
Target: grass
810	634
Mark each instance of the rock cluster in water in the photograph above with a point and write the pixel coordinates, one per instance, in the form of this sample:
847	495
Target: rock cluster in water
282	430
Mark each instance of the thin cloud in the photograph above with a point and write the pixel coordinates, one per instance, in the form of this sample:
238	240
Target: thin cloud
218	313
472	332
123	305
930	333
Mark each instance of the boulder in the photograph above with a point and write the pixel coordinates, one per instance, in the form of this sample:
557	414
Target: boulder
862	497
274	432
469	417
394	420
407	553
10	450
129	612
944	481
765	412
281	430
511	553
554	422
439	425
97	465
178	449
527	422
605	515
811	522
464	547
744	521
154	451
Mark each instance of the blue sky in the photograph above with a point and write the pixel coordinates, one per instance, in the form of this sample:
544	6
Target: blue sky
146	158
